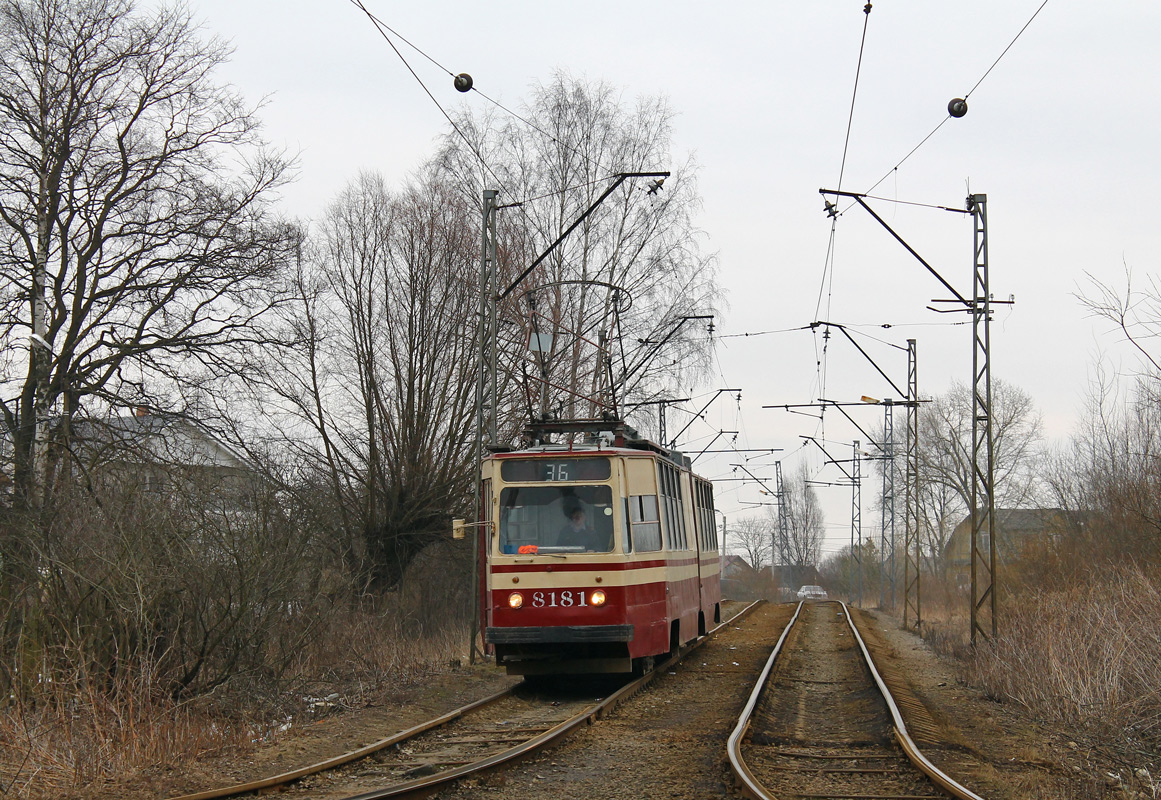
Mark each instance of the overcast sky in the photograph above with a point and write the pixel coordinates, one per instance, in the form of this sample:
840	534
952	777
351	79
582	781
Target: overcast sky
1061	137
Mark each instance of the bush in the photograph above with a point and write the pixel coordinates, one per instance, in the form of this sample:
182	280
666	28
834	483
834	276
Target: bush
147	629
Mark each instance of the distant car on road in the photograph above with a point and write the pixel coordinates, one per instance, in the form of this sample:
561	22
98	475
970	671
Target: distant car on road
812	593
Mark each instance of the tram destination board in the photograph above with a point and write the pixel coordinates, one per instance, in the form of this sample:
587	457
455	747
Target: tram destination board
528	470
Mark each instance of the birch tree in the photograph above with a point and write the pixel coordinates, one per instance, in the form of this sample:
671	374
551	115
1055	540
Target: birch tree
136	249
616	295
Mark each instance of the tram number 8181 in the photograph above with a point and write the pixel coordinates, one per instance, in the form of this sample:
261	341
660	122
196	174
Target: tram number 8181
563	599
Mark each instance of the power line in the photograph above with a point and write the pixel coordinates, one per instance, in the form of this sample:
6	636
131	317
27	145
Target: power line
909	154
1006	49
557	192
945	119
383	28
763	333
913	203
855	91
383	25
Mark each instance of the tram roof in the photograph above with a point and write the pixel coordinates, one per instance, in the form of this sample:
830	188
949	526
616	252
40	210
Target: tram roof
641	447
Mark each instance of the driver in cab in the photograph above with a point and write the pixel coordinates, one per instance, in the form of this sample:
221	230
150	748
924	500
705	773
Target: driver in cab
575	532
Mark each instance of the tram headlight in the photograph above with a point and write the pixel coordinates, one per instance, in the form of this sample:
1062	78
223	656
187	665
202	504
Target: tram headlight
597	598
515	600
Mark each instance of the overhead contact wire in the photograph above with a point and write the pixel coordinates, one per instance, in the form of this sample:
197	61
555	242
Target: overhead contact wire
382	28
1006	49
854	93
827	284
987	72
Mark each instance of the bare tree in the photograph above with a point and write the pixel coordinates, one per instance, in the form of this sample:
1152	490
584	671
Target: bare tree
945	457
805	522
614	296
751	536
1108	481
1136	313
379	404
1108	477
136	246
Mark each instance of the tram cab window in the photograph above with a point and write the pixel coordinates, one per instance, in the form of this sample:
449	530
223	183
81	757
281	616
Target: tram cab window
556	519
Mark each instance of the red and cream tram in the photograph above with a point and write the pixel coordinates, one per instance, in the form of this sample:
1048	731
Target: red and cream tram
600	557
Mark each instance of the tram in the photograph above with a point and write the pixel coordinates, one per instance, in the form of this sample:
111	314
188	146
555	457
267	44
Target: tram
601	553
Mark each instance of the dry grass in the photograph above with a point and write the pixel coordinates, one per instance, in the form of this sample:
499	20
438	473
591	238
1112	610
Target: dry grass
1086	660
67	735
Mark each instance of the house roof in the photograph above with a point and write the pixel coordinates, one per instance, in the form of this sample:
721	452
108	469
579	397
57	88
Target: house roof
738	564
165	438
1014	527
1027	521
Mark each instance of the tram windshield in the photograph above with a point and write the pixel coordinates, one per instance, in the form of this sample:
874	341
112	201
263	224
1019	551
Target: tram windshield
556	519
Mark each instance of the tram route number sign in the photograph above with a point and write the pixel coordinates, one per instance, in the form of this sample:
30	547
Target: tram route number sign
554	470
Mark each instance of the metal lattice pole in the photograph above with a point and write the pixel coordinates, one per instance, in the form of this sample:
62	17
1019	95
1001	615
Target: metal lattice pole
486	393
857	526
887	518
783	519
911	555
983	543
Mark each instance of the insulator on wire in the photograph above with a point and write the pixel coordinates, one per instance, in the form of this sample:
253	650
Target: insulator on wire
463	82
957	107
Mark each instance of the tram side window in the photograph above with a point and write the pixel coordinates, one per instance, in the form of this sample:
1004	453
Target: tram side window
705	516
644	521
699	515
626	528
713	523
675	536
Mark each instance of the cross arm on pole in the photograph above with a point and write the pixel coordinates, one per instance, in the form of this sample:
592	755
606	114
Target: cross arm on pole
621	177
761	481
697	416
716	437
643	360
864	353
868	437
858	198
831	458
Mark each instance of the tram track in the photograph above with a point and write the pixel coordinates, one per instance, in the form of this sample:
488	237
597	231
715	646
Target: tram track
822	722
470	740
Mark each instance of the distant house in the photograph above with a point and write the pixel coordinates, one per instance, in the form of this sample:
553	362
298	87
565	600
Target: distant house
1019	533
737	568
740	581
163	454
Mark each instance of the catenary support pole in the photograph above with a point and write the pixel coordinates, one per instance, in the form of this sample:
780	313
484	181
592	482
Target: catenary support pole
486	393
887	506
983	539
912	616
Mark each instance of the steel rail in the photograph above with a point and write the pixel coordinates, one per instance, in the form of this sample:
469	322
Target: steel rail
752	788
421	786
428	783
252	787
747	782
937	776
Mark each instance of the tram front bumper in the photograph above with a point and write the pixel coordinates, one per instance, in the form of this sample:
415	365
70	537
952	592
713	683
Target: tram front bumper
560	634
